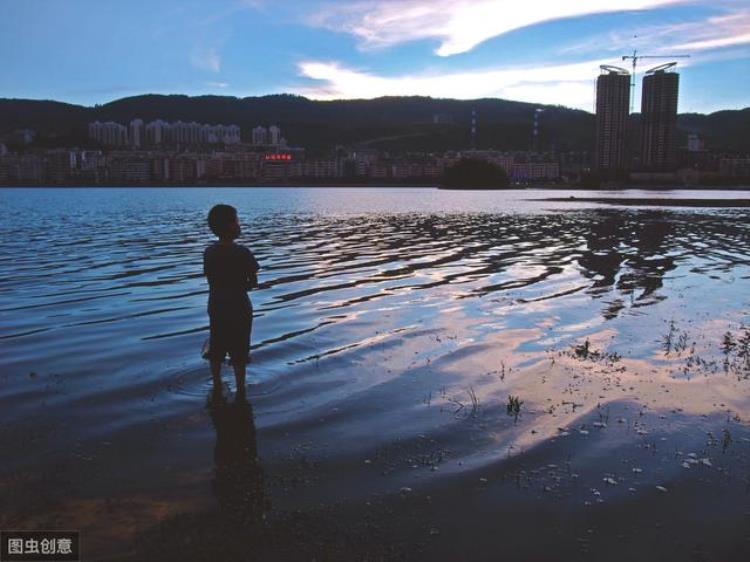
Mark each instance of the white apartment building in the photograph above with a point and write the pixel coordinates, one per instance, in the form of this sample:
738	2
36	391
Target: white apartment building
274	135
137	133
109	133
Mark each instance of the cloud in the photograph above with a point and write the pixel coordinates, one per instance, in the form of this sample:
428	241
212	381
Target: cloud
728	29
716	43
206	58
565	84
718	32
459	25
217	84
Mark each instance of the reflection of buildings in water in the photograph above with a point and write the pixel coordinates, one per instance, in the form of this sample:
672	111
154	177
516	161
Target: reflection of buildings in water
602	261
651	263
238	477
624	253
628	252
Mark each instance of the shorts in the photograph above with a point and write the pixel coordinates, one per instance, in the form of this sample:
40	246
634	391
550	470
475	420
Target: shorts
230	334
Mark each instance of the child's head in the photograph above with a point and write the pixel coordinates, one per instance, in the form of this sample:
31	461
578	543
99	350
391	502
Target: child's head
224	221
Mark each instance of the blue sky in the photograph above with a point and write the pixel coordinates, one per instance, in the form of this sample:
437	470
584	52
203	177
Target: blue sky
545	51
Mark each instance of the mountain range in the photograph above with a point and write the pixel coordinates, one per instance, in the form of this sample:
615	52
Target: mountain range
396	124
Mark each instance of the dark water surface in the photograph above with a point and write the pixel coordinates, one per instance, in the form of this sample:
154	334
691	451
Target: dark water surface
391	326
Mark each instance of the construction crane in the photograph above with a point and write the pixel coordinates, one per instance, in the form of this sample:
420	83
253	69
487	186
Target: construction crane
635	57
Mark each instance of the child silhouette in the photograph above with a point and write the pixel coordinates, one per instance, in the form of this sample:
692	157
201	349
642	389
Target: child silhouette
231	271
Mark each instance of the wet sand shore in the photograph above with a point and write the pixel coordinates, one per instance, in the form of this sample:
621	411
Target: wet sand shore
607	457
606	461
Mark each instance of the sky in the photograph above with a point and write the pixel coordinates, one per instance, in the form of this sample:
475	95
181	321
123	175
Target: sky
540	51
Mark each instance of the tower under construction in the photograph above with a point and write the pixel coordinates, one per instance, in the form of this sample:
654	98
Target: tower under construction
612	108
659	118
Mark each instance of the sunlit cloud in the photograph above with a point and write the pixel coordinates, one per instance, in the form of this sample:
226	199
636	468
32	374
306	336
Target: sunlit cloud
729	29
719	32
716	43
566	84
206	58
459	25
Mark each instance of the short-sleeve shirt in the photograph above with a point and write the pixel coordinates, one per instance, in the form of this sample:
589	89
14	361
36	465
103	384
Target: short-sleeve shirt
231	271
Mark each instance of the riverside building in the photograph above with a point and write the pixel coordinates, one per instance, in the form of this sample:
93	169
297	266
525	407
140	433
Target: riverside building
659	118
612	103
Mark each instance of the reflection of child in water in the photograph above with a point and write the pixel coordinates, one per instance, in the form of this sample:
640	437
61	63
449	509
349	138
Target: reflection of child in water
231	271
238	478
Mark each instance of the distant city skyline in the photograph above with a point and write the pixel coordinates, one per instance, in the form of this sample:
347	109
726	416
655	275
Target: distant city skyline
539	51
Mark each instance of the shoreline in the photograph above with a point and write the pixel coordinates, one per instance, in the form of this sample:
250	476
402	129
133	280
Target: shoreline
227	186
390	186
552	187
652	202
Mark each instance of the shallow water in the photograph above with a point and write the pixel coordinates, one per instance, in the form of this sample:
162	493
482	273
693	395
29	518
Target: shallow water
379	313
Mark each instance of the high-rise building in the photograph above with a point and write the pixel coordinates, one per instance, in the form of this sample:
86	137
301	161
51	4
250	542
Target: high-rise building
160	132
260	135
612	103
136	133
274	135
157	132
227	134
232	134
659	118
109	133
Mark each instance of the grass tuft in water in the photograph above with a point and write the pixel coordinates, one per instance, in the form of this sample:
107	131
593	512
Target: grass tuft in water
514	407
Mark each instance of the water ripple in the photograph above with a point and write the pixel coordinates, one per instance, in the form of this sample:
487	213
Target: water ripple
132	284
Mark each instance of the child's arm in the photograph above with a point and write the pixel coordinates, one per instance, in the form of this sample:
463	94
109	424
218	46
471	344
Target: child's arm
205	264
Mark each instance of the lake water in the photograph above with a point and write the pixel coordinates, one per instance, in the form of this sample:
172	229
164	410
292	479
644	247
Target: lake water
391	326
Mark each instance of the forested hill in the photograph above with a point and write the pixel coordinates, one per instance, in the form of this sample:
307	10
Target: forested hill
390	123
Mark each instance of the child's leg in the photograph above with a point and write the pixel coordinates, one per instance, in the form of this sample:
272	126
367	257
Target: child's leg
216	348
216	370
217	394
239	360
239	375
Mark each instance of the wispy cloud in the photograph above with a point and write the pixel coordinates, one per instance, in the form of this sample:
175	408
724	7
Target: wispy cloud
565	84
221	85
718	32
728	29
206	58
716	43
459	25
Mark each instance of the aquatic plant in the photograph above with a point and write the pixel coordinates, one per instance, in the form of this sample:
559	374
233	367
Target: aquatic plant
728	344
675	340
726	439
460	405
514	407
582	351
736	350
474	401
668	339
585	352
743	346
